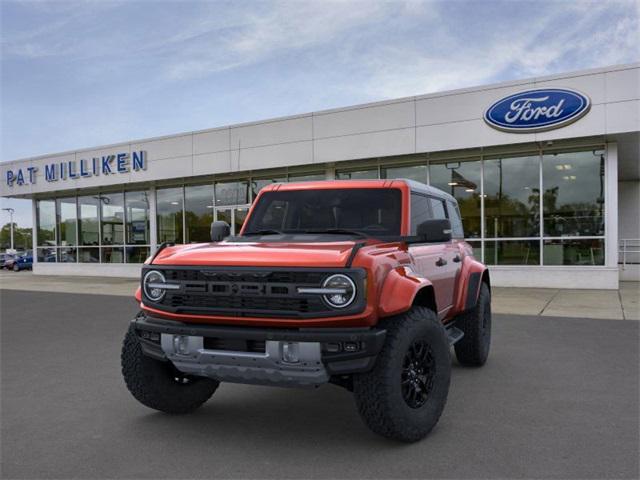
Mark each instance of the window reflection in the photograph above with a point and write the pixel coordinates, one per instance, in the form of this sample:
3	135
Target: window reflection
169	207
46	219
462	181
412	172
573	198
574	252
137	218
198	212
258	184
368	174
307	177
67	213
112	216
88	220
232	193
512	197
512	252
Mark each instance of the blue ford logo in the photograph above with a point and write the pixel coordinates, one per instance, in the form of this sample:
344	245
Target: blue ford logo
537	110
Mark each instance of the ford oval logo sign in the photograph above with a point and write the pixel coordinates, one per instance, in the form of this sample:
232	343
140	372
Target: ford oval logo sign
537	110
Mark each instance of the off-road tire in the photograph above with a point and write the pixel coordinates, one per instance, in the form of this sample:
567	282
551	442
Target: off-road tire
379	393
153	383
473	349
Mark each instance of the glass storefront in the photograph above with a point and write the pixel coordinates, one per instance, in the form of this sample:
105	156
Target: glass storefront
169	205
462	181
198	212
505	217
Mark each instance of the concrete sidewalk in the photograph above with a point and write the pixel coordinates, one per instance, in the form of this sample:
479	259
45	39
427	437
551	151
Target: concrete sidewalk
620	304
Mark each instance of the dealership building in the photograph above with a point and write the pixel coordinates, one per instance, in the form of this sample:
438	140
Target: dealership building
546	172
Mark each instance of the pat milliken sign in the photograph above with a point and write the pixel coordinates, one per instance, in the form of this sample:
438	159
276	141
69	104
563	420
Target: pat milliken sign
537	110
105	165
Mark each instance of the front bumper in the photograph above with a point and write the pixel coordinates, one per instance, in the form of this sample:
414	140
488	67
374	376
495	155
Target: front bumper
222	352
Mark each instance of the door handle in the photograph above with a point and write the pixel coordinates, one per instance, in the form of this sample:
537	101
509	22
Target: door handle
441	262
457	259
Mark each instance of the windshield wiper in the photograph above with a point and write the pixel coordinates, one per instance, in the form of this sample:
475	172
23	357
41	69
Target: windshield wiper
338	231
263	232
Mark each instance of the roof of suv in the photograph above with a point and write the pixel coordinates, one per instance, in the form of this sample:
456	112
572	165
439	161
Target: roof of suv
326	184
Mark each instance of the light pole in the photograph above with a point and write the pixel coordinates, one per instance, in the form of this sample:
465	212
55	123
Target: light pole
11	212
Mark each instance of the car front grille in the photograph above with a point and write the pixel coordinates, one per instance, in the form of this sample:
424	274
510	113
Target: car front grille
242	292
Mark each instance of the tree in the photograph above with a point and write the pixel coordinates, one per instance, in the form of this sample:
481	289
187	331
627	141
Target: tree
21	237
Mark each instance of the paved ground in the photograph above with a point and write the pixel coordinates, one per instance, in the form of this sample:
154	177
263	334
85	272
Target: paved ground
608	304
558	399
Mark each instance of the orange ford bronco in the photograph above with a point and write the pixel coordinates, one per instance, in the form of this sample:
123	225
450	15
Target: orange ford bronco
363	284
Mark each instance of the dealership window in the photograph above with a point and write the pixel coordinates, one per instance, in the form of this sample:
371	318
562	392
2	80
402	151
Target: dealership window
258	184
512	197
88	223
46	218
137	230
461	179
364	174
46	230
112	218
67	223
232	193
574	251
307	177
512	252
411	172
573	198
169	208
88	229
198	212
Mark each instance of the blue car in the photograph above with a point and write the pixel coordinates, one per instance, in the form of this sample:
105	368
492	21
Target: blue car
23	262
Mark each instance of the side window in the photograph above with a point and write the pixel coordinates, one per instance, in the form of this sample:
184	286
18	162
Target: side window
456	221
438	209
420	211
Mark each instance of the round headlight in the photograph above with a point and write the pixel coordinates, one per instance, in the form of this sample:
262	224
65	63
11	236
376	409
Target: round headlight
344	291
153	294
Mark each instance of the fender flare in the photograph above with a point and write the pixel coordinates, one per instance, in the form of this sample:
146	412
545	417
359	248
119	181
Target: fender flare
473	275
401	289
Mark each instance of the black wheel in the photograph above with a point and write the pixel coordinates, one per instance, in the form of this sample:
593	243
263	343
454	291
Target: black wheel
405	393
159	385
474	347
16	268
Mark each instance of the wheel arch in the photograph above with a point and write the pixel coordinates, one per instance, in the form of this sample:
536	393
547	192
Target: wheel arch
403	289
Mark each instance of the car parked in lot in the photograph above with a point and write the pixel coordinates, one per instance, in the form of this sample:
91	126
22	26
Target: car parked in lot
23	262
8	260
363	284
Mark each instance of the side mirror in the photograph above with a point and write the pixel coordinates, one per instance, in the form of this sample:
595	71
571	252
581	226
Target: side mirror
435	231
219	231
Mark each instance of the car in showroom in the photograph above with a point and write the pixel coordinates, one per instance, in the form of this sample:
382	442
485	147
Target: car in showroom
365	284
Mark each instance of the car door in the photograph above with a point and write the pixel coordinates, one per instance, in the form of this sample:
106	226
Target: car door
433	261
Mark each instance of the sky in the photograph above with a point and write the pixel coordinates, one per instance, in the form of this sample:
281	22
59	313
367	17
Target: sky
87	73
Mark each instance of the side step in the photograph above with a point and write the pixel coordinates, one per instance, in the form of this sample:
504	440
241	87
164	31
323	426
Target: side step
454	335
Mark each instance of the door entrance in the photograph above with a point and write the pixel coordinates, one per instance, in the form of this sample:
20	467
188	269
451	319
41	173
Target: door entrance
234	216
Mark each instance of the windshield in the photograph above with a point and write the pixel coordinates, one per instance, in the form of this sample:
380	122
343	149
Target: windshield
361	211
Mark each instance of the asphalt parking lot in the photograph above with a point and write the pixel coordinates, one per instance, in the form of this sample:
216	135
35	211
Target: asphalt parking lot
559	398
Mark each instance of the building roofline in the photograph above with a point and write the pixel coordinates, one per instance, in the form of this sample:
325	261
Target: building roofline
445	93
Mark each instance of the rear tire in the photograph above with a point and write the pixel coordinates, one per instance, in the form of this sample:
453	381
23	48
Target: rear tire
473	349
159	385
404	395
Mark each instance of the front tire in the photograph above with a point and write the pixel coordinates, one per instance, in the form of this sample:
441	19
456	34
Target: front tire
16	268
159	385
404	395
473	349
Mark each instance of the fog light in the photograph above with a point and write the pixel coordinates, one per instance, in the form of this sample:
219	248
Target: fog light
291	352
351	347
181	344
